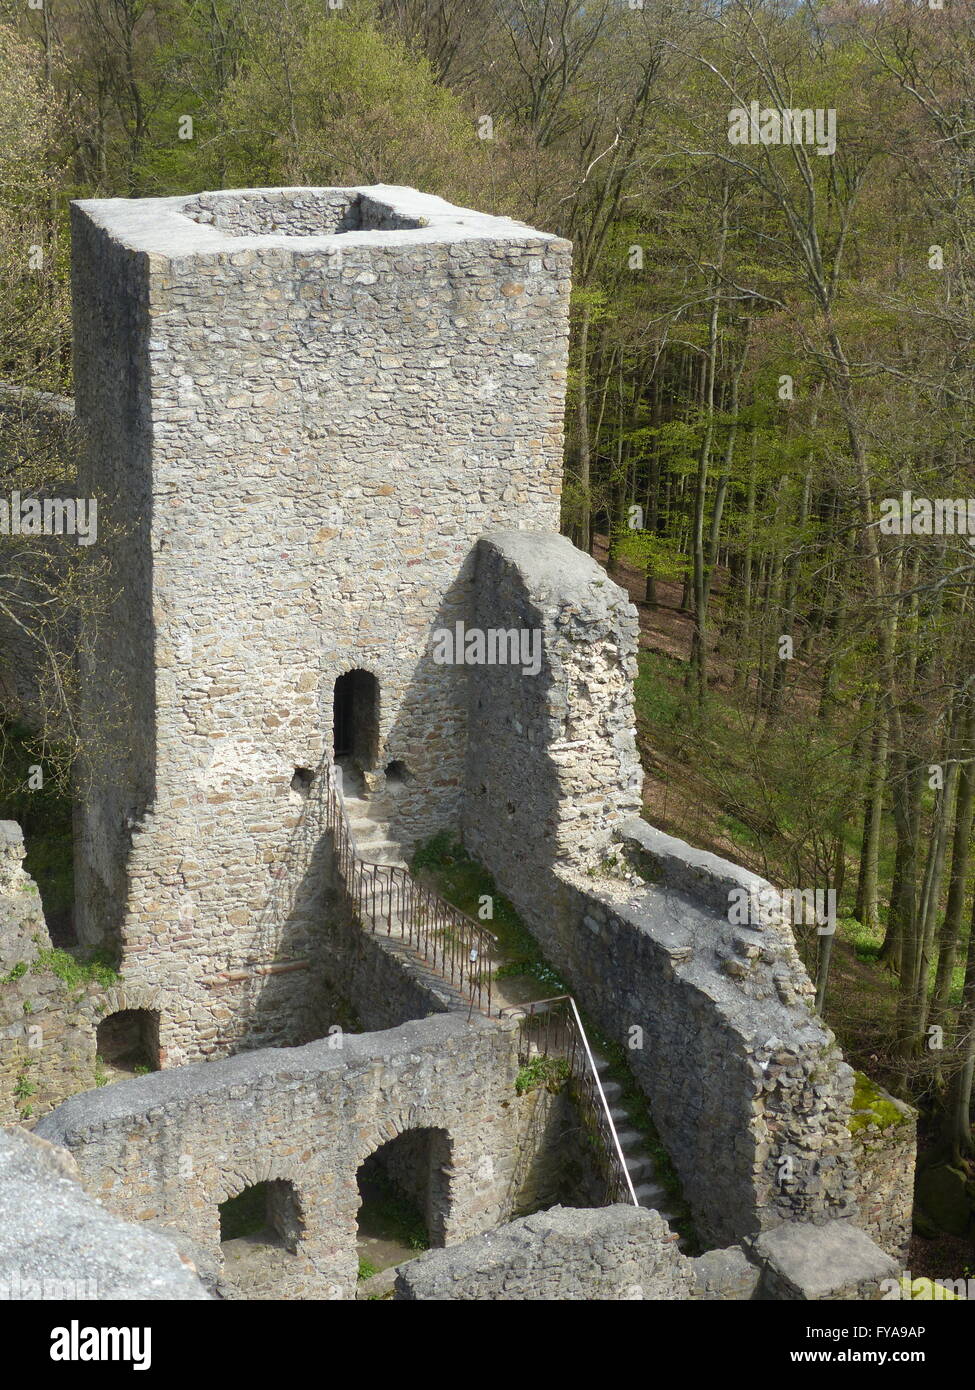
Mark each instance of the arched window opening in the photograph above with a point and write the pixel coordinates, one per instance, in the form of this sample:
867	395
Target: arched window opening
127	1043
266	1214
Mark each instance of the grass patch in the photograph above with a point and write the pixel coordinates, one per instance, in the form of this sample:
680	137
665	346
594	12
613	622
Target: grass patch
657	696
866	943
394	1214
97	968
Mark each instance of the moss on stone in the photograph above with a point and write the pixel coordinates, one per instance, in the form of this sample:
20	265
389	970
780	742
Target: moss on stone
76	974
872	1107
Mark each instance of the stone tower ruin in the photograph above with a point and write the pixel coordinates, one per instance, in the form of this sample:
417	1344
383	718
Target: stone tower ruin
303	406
324	427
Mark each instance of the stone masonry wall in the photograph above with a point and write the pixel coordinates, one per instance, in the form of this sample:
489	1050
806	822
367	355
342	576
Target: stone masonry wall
746	1086
170	1147
607	1255
311	212
332	420
116	716
552	768
885	1153
22	926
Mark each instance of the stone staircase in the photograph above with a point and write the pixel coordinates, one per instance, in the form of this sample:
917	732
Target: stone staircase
641	1166
374	844
370	833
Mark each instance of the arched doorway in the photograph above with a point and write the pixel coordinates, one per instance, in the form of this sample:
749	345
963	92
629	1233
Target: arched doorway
260	1231
127	1042
404	1198
355	719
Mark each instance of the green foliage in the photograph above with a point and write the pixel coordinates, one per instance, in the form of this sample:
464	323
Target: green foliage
653	554
76	974
865	941
445	863
323	98
366	1270
550	1072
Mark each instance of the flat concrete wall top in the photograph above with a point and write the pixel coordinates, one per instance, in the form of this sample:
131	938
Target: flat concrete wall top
163	226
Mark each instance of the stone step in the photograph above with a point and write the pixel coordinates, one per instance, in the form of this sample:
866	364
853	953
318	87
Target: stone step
630	1139
612	1090
365	827
639	1166
651	1194
374	851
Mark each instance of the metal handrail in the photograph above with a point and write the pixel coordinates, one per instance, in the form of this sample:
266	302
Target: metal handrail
453	944
572	1044
449	940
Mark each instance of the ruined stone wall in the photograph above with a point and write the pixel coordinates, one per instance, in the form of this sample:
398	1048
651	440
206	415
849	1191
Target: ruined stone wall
47	1038
606	1255
169	1148
884	1133
22	926
116	715
552	768
746	1086
834	1260
333	420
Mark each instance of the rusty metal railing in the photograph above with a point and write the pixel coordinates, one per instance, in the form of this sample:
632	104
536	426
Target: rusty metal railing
553	1028
385	897
389	899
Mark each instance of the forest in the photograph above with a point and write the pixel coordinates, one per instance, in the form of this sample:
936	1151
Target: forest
771	390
